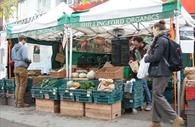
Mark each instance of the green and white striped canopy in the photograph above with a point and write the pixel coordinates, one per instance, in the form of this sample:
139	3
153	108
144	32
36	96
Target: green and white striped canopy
45	27
118	12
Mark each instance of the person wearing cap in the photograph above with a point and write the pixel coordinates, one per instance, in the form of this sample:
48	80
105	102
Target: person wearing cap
21	63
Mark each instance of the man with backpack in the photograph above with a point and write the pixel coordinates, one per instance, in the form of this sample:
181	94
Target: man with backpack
164	57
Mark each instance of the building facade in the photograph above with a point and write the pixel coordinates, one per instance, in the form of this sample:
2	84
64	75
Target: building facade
29	10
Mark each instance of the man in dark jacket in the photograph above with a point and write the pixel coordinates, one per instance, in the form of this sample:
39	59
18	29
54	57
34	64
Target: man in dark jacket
140	50
159	72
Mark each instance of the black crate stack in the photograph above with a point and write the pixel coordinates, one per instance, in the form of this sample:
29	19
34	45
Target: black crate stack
120	51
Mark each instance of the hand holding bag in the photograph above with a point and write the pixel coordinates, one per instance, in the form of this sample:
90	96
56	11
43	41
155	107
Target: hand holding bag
143	69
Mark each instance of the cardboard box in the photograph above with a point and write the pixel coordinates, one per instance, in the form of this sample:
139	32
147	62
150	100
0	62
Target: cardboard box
72	108
60	58
38	79
47	105
103	111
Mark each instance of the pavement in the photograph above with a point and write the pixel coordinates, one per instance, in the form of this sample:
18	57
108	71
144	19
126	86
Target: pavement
29	117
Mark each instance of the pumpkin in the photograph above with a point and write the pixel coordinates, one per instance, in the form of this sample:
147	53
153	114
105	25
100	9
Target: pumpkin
75	75
82	75
91	75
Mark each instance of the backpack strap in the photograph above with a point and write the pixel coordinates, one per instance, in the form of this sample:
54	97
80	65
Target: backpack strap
169	50
169	46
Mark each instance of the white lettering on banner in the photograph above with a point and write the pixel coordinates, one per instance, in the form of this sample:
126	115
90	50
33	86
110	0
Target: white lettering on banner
125	20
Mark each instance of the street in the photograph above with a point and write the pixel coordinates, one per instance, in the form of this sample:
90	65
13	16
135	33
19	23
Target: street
28	117
7	123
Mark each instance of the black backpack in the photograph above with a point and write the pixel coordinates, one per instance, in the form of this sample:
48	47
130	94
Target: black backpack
174	61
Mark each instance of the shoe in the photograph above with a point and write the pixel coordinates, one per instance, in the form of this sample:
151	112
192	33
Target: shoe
178	122
153	124
22	105
148	108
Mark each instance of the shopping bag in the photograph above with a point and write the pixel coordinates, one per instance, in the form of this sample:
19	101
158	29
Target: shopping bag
134	66
143	69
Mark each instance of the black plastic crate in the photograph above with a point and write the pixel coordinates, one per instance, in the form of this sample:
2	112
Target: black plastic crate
104	97
82	95
66	95
52	91
37	90
134	103
107	97
2	86
10	86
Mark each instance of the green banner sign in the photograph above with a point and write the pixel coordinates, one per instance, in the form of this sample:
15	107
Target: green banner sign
126	20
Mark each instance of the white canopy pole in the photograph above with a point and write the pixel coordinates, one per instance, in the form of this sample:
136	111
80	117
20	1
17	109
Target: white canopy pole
70	62
67	45
178	73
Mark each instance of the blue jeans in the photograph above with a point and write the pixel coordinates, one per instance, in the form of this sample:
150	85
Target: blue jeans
147	93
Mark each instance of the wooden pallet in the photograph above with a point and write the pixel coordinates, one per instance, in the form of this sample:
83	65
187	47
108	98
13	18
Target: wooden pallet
72	108
103	111
47	105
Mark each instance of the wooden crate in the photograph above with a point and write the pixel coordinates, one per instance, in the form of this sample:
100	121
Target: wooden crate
47	105
72	108
103	111
38	79
61	74
110	73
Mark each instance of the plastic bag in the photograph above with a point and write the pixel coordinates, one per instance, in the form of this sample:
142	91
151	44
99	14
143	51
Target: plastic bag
143	69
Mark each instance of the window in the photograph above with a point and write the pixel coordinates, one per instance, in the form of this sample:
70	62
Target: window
44	5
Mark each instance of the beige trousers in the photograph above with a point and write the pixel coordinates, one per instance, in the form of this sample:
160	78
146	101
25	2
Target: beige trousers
21	75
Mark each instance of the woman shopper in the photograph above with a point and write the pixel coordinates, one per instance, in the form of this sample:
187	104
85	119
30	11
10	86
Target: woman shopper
159	72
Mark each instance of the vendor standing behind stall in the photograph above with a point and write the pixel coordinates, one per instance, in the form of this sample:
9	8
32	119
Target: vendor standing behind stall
21	63
137	50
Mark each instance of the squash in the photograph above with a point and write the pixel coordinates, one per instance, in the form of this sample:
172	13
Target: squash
91	75
82	75
76	85
75	75
69	84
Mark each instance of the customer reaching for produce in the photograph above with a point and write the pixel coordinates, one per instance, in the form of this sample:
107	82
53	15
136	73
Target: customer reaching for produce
159	72
21	63
138	50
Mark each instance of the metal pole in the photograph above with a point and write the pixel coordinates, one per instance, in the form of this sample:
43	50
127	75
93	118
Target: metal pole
178	73
70	62
66	37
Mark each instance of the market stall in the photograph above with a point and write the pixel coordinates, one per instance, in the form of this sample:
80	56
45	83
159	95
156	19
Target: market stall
117	14
92	91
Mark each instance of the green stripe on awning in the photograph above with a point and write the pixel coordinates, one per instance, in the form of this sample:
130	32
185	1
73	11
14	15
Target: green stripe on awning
171	6
63	20
37	32
124	20
9	30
